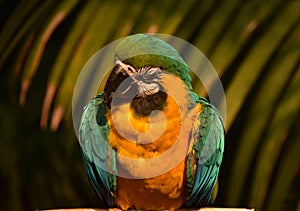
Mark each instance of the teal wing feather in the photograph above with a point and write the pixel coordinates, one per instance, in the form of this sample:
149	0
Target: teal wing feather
99	158
204	161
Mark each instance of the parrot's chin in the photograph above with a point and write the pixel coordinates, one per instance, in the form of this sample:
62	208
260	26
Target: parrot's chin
143	106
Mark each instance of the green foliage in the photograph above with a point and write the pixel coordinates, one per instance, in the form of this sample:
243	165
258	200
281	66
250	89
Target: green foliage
254	46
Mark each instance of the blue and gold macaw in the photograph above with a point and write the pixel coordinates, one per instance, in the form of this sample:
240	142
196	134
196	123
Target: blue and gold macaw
148	78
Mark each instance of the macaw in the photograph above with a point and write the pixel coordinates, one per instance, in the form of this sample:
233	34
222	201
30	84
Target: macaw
138	90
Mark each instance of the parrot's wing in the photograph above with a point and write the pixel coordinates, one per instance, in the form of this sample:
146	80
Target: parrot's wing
99	158
206	156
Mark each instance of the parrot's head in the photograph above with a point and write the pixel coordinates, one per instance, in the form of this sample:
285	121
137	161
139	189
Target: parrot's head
143	84
141	64
145	79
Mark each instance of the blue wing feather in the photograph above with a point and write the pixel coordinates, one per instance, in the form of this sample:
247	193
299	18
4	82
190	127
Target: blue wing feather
206	156
99	158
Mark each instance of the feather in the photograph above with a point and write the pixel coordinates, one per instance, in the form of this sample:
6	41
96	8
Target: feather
99	158
204	161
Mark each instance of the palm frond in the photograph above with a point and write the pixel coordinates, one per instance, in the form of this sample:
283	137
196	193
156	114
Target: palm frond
253	45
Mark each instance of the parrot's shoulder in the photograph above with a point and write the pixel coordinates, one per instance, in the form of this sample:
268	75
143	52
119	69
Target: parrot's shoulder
99	158
205	158
209	134
93	125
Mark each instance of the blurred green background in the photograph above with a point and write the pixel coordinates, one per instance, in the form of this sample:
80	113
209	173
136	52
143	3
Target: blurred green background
254	46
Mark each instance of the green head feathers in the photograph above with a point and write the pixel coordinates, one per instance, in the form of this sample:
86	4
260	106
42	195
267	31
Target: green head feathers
142	50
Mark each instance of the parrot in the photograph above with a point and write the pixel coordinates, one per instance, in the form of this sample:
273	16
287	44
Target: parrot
147	107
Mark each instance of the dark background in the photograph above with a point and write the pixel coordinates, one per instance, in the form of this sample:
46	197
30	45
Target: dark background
253	45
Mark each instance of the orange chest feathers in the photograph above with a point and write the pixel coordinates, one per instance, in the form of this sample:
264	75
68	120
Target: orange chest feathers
140	137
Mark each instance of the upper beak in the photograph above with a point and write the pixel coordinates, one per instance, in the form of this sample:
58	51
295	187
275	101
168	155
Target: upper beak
128	69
